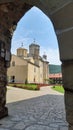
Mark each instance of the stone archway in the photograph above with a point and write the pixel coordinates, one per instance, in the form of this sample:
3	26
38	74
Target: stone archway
60	13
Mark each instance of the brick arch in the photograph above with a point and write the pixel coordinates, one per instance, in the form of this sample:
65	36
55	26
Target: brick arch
61	14
10	14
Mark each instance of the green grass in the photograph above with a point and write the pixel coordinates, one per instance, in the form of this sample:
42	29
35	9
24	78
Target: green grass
25	86
58	88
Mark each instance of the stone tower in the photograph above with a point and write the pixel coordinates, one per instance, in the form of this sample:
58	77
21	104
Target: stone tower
22	52
34	50
45	57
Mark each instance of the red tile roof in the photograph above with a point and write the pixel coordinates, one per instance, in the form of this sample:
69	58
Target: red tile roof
58	75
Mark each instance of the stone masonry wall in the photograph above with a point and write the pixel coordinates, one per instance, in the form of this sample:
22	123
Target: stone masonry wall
3	82
10	14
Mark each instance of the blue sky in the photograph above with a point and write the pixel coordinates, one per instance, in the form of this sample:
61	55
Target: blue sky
36	25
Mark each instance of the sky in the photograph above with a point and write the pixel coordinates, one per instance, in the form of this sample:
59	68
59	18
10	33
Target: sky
36	25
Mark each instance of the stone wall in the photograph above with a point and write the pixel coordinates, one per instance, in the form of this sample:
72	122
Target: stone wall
3	82
62	17
10	14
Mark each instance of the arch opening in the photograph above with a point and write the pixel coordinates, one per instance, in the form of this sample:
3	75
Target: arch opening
35	24
61	10
29	30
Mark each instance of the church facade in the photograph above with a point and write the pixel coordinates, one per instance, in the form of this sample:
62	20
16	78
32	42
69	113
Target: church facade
28	67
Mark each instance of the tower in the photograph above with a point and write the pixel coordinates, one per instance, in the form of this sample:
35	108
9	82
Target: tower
44	57
22	52
34	50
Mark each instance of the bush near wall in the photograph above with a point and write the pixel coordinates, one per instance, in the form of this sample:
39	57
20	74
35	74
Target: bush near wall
30	86
25	86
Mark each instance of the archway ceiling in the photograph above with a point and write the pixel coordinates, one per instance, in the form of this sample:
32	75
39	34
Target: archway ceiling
60	11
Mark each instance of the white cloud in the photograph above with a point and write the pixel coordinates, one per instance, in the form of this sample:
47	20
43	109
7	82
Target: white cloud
52	55
17	43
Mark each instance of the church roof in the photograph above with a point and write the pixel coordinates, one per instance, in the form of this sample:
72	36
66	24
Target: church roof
34	44
25	60
21	48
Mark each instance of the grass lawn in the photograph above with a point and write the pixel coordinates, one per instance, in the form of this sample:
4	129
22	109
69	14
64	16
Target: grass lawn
58	88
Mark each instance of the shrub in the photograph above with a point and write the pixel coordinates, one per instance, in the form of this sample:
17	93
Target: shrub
26	86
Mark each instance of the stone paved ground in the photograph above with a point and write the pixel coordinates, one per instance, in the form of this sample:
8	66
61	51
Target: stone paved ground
34	110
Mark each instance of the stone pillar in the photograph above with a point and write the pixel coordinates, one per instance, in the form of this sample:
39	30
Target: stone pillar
5	56
10	13
67	71
65	40
3	82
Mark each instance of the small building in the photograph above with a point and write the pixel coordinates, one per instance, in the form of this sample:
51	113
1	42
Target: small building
55	73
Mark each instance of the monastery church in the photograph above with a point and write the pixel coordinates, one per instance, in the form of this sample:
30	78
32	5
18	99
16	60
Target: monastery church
28	67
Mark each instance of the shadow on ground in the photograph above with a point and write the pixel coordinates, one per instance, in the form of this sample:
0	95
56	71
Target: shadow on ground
41	113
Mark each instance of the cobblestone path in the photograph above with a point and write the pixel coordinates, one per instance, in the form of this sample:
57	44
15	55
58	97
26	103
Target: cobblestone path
43	111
